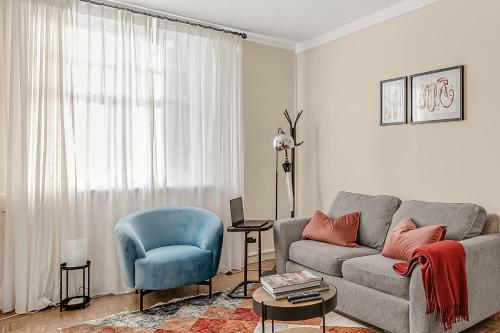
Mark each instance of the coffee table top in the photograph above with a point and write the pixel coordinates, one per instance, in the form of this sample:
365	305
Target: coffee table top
281	309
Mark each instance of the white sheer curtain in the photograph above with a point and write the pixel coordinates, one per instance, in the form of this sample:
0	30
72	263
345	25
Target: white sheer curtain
108	112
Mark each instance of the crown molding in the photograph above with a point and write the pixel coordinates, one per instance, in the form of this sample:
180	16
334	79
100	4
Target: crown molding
272	41
365	22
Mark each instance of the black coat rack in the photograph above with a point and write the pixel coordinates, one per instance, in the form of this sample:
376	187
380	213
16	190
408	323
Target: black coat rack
293	134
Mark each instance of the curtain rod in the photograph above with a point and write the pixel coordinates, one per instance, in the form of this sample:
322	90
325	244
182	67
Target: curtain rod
172	19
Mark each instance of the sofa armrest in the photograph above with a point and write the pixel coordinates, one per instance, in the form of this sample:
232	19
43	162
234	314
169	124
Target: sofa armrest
482	256
286	232
129	249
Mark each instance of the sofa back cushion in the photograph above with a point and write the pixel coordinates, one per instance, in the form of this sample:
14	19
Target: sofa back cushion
376	215
463	220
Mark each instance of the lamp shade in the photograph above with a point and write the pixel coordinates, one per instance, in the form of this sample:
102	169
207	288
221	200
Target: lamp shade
77	252
282	141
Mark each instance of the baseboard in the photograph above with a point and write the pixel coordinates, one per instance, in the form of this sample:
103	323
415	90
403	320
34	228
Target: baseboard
253	257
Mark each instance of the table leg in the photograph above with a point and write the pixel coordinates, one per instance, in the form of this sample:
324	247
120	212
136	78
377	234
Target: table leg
263	311
88	281
84	300
60	289
67	294
272	326
245	273
260	257
323	315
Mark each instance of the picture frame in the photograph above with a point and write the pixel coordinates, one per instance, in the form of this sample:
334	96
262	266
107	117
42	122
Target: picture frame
393	101
437	95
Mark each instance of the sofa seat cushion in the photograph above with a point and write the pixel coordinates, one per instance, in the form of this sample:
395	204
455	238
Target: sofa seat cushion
324	257
172	266
376	272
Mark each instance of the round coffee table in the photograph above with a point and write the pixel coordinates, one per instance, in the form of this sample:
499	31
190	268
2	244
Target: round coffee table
268	308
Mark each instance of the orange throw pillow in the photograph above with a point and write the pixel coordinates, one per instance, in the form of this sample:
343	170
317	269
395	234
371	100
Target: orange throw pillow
406	238
342	231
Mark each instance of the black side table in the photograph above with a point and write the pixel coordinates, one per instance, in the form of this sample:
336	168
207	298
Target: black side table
75	302
248	240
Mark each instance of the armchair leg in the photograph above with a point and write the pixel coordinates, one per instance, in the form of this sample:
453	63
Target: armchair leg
209	284
142	293
141	300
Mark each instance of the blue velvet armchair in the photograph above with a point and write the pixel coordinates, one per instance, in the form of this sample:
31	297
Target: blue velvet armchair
163	248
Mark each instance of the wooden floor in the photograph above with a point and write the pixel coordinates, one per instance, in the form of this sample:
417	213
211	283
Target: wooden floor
50	319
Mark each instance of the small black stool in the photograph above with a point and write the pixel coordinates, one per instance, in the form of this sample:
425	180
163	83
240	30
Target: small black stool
75	302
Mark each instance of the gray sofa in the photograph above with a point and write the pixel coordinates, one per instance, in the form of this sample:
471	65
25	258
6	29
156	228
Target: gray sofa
367	286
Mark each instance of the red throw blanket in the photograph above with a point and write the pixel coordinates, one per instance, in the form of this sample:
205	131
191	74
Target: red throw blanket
444	278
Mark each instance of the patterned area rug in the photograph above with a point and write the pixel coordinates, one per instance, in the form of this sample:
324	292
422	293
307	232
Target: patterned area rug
201	314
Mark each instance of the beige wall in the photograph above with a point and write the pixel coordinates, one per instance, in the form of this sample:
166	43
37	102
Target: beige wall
346	149
268	85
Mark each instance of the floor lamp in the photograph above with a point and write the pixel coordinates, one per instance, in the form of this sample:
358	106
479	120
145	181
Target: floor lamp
285	142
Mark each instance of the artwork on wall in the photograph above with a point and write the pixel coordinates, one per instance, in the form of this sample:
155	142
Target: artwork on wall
437	95
393	101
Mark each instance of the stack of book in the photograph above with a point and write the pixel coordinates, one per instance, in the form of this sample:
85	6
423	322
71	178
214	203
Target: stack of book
283	285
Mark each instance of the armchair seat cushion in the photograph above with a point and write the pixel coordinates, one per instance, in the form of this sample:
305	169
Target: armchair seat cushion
323	257
172	266
376	272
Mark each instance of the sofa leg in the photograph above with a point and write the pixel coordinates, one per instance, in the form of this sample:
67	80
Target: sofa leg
495	317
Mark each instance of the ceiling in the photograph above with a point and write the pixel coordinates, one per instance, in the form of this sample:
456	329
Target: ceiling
290	20
293	24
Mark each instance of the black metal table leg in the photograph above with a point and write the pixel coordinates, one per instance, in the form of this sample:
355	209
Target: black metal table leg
83	275
88	275
323	314
67	293
263	318
60	289
245	274
260	257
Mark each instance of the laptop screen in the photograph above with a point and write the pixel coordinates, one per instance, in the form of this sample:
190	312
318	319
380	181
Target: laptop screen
236	206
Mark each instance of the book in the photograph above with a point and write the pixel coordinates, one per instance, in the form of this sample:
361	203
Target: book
280	283
322	287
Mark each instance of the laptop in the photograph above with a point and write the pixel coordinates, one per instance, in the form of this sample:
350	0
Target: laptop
238	218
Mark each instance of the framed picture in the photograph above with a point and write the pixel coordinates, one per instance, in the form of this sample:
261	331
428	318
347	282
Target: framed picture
437	95
393	101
